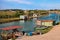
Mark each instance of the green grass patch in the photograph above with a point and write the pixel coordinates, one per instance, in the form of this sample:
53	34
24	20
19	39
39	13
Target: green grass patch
43	31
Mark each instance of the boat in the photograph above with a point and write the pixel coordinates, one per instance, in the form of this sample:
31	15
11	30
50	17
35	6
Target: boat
5	34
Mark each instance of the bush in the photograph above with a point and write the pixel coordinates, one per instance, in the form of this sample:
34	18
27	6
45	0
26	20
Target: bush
43	31
46	30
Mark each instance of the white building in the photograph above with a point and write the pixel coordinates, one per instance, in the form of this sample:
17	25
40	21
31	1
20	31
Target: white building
22	16
34	15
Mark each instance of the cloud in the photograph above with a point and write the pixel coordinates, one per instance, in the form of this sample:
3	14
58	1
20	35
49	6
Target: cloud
20	1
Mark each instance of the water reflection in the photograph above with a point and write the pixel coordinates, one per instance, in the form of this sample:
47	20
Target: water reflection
34	19
27	25
22	21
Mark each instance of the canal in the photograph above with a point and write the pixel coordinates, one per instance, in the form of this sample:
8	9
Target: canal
27	25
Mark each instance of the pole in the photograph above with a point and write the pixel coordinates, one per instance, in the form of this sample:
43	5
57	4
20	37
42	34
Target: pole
58	17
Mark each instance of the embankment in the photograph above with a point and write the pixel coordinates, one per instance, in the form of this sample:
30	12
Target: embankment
5	20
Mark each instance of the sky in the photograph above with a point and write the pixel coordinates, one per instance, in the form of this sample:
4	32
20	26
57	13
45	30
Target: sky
30	4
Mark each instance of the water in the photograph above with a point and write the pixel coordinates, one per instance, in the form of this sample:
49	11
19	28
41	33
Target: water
30	24
27	25
51	16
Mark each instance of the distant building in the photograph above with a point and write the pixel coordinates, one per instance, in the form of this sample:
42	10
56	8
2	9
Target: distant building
22	16
34	15
25	11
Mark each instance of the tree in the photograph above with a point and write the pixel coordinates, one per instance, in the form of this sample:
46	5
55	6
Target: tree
18	13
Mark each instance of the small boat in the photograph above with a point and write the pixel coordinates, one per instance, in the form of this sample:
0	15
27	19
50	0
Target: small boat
5	35
10	28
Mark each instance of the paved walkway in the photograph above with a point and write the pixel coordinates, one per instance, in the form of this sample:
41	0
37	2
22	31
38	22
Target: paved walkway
54	34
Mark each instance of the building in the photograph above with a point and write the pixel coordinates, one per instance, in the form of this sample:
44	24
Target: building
45	22
34	15
22	16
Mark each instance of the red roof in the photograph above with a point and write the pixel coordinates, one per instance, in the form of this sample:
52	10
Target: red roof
11	27
47	20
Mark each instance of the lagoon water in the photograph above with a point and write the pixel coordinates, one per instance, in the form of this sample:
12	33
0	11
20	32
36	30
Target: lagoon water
27	25
30	24
51	16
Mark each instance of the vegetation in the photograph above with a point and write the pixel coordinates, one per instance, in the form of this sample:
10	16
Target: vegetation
45	30
11	13
6	15
8	20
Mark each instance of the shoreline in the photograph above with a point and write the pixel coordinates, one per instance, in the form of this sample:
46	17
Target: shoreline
6	20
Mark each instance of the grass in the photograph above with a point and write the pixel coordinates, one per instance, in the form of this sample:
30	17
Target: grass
8	20
46	30
43	31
